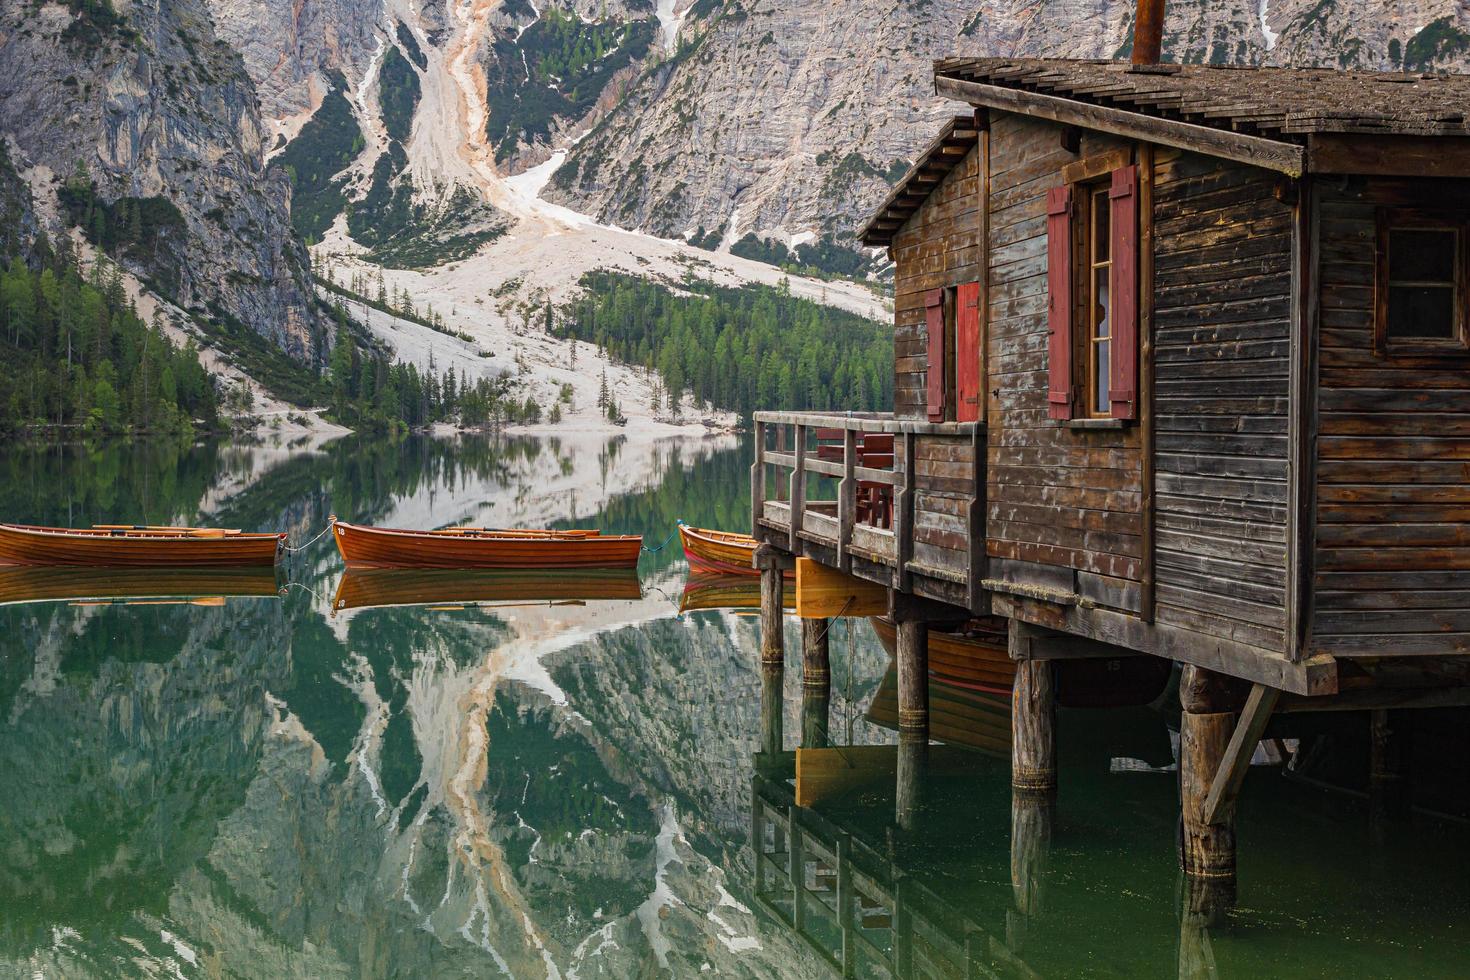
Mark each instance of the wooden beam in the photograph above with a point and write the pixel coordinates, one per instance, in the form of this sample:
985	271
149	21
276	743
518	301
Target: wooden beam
1146	448
1388	156
823	592
1287	158
1228	778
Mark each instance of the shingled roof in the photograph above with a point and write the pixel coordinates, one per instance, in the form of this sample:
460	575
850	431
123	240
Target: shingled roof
1292	120
1275	102
937	160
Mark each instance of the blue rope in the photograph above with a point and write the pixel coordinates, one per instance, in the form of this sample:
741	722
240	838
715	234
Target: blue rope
665	541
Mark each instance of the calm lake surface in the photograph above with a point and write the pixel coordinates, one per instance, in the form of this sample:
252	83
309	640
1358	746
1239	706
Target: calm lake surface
433	776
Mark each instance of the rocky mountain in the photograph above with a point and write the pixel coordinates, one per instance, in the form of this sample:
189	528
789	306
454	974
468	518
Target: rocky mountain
787	121
138	124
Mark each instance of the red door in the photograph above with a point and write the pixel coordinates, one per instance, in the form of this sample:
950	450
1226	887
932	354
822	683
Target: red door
967	353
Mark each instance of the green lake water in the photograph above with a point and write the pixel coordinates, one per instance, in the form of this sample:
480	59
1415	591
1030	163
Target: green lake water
450	776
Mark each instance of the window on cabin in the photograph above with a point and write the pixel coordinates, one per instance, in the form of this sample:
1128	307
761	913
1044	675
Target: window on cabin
1421	282
1097	306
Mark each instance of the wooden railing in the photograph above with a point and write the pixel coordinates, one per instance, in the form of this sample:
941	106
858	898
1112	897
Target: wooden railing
835	531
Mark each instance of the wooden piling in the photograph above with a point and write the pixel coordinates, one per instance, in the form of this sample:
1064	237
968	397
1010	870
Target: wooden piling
913	681
1207	850
773	640
1034	730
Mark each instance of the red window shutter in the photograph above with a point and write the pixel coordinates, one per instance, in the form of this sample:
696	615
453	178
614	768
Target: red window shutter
934	318
1059	306
967	353
1123	369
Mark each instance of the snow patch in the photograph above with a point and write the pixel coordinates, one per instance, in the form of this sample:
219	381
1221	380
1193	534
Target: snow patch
662	896
1266	31
671	19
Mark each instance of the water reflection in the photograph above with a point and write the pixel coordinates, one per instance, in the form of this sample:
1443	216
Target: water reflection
444	774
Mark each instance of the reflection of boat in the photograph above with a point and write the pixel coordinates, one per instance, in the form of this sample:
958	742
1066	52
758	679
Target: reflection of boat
708	590
957	715
723	552
475	547
137	546
362	588
976	658
39	583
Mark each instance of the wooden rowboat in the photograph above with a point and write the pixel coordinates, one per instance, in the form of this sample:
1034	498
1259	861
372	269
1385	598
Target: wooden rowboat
144	586
137	546
476	547
724	552
458	589
977	659
958	715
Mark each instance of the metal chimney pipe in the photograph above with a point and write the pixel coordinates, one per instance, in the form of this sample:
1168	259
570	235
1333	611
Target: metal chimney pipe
1148	32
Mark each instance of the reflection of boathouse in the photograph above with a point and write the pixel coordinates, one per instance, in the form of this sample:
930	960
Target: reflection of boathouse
1180	373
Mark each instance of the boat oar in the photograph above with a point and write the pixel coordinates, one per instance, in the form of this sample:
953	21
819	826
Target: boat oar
144	530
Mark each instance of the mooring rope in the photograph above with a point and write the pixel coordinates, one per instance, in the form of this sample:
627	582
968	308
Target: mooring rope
324	531
665	541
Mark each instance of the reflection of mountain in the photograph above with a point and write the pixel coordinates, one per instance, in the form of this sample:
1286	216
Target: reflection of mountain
396	792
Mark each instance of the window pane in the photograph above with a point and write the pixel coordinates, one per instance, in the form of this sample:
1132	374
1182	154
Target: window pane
1102	403
1421	256
1101	320
1421	312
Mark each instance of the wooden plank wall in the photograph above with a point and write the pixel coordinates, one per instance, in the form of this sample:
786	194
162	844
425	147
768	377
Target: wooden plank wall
1392	556
1056	495
938	246
1222	327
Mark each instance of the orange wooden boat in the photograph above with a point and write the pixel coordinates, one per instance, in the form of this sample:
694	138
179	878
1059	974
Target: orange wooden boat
367	588
200	586
137	546
479	547
724	552
977	659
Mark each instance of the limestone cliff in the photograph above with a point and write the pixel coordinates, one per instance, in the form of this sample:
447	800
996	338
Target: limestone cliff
146	129
788	121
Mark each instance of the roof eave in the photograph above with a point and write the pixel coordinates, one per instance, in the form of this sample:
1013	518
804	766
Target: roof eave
1278	155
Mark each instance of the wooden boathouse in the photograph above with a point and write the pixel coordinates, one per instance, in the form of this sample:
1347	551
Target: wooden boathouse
1181	370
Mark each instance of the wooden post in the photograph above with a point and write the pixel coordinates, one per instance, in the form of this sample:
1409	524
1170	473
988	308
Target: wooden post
847	500
816	683
1033	729
913	680
1207	851
798	489
913	719
758	480
771	564
903	513
844	904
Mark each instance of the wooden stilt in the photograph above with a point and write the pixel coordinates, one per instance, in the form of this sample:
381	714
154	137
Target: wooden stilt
913	681
816	709
913	719
1033	730
773	640
1207	851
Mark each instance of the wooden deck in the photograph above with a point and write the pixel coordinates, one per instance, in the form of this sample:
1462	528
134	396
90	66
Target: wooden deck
935	485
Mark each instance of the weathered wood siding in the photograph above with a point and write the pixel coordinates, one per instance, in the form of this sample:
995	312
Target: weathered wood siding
937	247
1222	328
1392	556
1056	495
